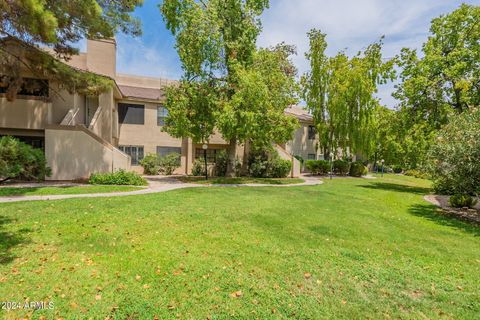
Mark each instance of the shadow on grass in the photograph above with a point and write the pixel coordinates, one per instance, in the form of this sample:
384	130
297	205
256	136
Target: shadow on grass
396	187
436	215
9	240
21	191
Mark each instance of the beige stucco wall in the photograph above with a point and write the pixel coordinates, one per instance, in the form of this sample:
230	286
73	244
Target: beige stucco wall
301	145
78	61
150	135
103	126
72	154
24	113
141	81
62	102
101	57
296	165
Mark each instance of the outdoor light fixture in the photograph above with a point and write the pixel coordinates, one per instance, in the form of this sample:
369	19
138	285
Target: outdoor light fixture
331	165
383	163
205	147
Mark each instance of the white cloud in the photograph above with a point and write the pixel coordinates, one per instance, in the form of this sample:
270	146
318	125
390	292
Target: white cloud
352	25
139	58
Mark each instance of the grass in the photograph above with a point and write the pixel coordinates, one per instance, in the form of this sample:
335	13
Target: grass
241	180
347	249
43	191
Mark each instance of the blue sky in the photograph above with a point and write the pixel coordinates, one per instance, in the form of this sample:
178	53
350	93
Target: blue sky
350	25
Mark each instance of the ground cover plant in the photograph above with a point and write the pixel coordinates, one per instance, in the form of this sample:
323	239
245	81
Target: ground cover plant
350	248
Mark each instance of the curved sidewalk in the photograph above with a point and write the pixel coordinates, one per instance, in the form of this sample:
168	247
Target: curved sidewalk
155	185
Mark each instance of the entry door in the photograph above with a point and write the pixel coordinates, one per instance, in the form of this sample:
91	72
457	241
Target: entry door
91	105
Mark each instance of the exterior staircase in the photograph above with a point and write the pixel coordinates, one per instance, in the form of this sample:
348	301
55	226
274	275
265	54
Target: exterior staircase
91	152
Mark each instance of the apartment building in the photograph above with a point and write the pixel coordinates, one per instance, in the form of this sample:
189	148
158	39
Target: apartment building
116	129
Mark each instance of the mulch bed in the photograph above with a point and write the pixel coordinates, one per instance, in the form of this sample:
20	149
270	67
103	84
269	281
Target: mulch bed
465	214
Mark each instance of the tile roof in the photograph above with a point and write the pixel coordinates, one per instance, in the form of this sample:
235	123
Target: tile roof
142	93
300	113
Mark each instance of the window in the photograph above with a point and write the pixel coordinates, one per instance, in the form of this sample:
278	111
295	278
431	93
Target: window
311	156
163	151
29	87
131	113
135	152
211	155
312	132
162	113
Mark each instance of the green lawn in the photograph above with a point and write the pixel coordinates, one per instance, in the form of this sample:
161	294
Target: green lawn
43	191
241	180
347	249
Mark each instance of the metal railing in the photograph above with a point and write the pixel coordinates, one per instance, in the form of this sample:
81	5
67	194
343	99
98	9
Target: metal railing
69	119
95	118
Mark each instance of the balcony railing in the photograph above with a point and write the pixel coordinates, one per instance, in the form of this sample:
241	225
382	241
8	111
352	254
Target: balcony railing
69	119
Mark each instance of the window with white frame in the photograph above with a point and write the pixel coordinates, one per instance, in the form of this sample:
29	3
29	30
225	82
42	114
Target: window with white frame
135	152
162	114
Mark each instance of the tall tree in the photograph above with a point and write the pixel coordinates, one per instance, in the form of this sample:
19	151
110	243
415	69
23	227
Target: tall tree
438	84
58	25
446	78
228	85
340	93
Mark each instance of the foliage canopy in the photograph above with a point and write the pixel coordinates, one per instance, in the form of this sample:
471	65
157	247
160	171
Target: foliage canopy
228	84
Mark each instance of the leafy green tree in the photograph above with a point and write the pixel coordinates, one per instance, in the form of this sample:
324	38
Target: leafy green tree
454	158
382	135
228	85
340	93
58	25
439	83
445	79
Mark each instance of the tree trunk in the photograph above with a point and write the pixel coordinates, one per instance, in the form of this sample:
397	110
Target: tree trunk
232	155
4	179
246	152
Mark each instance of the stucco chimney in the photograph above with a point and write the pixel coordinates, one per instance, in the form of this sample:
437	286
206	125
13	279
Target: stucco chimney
102	56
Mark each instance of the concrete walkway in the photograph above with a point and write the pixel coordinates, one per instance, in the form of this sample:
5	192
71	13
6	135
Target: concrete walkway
156	184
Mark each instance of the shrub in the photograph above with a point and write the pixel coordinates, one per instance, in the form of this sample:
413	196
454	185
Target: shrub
321	167
462	201
221	163
397	169
150	164
169	163
454	158
266	163
120	177
416	174
198	168
258	163
279	168
311	166
341	167
153	164
19	160
357	169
